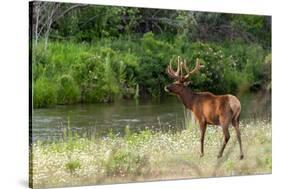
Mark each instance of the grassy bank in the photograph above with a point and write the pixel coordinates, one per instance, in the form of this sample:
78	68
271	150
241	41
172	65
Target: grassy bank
103	70
150	156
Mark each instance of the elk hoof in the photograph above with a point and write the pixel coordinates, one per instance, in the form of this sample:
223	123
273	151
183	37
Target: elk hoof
201	155
241	156
219	156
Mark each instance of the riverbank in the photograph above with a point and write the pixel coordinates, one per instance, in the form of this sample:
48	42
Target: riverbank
149	156
103	71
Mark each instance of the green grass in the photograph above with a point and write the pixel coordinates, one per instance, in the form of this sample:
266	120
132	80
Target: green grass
148	155
69	73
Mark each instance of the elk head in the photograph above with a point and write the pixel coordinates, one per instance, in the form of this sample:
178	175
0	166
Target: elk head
180	80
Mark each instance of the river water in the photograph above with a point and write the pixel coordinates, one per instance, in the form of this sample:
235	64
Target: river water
92	120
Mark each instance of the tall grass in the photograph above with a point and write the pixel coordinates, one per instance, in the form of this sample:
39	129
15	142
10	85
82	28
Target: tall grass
68	90
150	155
44	93
125	68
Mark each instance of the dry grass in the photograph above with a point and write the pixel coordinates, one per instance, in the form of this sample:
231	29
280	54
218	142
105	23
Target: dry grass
150	156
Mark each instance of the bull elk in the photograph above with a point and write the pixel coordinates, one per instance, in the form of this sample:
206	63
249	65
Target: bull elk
208	108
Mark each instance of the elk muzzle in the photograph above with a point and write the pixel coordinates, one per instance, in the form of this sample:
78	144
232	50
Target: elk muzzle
166	89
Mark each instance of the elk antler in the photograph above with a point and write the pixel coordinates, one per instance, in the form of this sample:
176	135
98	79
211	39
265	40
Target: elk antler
174	74
178	75
197	68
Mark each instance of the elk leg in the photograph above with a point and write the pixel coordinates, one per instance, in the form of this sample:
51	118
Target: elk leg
202	132
238	134
226	138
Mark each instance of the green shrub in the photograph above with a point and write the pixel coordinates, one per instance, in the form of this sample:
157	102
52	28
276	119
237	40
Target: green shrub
44	93
68	92
97	78
73	165
135	67
212	76
155	56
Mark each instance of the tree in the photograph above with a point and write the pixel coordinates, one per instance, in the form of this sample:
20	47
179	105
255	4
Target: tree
45	14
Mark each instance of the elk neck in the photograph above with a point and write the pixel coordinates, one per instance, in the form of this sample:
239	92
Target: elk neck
187	97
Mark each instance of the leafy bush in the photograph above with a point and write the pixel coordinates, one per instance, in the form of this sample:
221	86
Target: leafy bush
212	76
68	92
135	67
97	78
261	74
155	55
44	93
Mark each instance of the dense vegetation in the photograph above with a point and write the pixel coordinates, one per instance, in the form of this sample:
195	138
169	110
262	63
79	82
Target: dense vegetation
102	53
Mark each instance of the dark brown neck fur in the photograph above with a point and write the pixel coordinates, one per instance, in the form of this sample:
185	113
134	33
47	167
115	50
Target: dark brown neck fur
187	97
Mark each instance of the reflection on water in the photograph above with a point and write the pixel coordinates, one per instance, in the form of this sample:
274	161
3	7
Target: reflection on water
99	119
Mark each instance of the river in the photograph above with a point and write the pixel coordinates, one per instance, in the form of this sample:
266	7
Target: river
95	120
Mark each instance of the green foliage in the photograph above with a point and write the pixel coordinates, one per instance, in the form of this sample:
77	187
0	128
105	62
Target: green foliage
73	165
255	28
110	78
212	77
105	71
93	22
97	78
44	93
155	55
261	73
122	162
136	139
229	68
86	74
68	92
103	53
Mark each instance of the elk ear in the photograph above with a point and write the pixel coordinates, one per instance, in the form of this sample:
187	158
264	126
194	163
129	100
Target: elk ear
187	83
